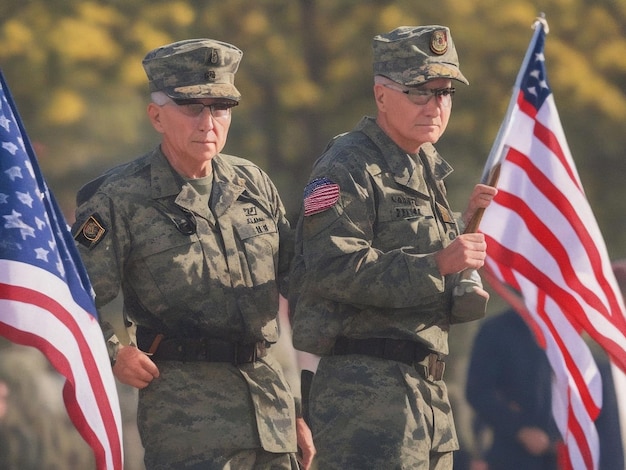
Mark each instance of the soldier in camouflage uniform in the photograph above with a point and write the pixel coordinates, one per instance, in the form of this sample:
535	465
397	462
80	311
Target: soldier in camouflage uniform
379	253
199	245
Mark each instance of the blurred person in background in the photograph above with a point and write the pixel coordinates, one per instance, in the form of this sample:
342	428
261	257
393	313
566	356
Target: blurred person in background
35	430
509	386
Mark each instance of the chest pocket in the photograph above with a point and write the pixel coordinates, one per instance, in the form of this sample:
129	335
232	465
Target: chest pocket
406	221
257	240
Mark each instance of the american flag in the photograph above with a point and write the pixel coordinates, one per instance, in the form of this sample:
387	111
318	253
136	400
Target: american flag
319	195
544	245
46	300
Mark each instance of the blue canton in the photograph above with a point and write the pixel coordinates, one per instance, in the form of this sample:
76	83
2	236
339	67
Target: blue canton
32	227
534	83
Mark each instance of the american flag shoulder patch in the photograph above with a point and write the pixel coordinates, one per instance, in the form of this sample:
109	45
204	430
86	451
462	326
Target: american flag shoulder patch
319	195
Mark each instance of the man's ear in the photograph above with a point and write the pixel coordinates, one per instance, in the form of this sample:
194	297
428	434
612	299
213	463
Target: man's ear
379	96
154	114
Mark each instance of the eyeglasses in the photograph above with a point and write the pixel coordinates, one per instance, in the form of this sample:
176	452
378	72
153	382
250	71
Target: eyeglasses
423	96
192	108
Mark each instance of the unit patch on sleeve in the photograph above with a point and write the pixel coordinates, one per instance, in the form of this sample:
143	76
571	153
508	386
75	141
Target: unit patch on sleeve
91	232
319	195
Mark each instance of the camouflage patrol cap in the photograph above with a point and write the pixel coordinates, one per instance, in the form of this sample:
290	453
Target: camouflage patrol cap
194	68
412	55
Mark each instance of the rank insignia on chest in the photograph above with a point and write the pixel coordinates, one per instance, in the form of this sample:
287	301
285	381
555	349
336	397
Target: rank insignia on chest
445	214
91	232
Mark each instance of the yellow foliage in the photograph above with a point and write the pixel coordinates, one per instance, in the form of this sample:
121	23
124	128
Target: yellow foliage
393	16
575	74
131	71
177	13
94	13
342	70
16	38
523	13
77	40
65	107
611	56
148	35
299	94
254	23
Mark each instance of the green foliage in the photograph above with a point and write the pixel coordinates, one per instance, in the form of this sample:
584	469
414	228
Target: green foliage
74	68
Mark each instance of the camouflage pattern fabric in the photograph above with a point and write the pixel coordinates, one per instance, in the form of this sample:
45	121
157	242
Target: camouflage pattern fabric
370	268
188	269
413	55
194	68
365	269
389	417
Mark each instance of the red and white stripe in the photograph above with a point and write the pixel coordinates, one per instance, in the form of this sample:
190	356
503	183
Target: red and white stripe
38	310
544	242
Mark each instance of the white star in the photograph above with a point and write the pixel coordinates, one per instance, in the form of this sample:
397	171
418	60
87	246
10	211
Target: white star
25	198
4	122
10	147
539	57
27	231
13	221
532	90
4	198
14	172
61	268
42	254
543	84
535	74
40	223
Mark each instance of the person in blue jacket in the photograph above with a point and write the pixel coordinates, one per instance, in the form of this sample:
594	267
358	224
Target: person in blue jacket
509	388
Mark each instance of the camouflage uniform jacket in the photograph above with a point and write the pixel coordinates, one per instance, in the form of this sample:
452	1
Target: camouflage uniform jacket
365	267
190	270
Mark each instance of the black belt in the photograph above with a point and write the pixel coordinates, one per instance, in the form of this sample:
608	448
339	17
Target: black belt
409	352
162	348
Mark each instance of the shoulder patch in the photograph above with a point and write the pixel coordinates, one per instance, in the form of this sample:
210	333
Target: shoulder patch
91	232
319	195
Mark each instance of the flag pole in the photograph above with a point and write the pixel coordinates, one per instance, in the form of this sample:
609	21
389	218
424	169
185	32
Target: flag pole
495	155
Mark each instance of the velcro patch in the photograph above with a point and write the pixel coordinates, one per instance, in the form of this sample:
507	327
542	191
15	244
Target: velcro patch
91	232
319	195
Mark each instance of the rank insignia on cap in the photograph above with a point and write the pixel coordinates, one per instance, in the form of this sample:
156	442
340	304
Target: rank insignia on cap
91	232
214	57
319	195
439	42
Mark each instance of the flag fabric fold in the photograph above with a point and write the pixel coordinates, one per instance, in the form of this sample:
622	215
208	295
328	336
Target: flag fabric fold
46	299
544	245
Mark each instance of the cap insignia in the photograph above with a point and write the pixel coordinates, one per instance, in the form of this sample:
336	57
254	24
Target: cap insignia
439	42
214	56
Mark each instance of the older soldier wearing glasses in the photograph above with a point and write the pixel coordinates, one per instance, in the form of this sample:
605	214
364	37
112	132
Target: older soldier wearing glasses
378	257
198	243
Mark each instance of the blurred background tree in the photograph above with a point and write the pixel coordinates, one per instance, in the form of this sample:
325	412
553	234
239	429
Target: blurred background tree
74	69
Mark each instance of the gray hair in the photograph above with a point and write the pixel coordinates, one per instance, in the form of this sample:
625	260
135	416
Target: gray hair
382	80
160	98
